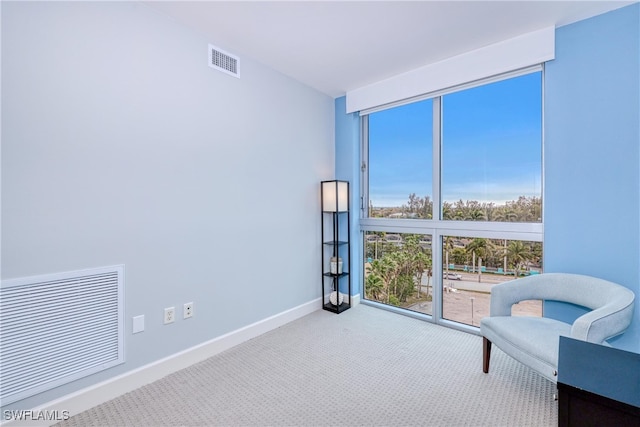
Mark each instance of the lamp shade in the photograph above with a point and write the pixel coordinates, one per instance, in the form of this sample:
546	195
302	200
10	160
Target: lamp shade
335	196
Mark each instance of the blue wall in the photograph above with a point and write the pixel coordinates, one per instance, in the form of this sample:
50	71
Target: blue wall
591	157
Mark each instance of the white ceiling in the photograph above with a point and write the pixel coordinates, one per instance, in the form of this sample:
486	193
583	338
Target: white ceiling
337	46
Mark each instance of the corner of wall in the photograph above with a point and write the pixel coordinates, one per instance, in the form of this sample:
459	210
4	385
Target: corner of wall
347	139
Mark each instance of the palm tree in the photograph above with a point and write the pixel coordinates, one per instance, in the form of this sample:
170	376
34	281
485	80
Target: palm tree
374	287
447	246
504	252
480	247
476	215
394	275
385	270
416	261
426	210
460	256
447	210
519	254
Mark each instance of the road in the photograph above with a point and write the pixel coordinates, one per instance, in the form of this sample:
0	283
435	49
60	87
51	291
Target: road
469	282
468	301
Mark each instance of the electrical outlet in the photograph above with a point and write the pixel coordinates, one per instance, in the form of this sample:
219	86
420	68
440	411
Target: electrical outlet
187	310
169	315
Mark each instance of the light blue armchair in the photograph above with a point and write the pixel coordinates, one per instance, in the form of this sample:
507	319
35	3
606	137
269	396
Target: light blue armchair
534	341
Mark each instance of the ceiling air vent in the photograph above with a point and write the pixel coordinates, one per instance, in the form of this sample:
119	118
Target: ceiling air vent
223	61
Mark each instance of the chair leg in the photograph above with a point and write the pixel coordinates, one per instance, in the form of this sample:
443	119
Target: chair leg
486	354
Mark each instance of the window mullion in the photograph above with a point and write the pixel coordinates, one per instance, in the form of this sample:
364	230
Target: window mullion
436	240
436	260
437	145
364	168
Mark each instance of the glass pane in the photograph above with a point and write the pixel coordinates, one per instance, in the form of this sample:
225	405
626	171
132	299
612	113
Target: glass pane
398	270
492	152
400	161
471	266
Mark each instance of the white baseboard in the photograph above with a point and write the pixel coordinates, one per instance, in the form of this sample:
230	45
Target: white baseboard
74	403
355	299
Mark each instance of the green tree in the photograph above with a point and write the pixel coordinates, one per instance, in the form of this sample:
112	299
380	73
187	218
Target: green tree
524	209
418	207
536	252
460	256
476	215
417	259
447	246
384	269
518	254
480	247
426	210
395	275
374	287
448	211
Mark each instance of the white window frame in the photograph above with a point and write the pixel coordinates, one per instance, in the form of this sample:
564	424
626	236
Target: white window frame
437	227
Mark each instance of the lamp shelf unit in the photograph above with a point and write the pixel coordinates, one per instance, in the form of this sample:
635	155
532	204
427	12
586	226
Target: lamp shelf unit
336	246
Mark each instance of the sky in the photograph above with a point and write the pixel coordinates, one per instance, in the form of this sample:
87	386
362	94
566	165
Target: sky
491	145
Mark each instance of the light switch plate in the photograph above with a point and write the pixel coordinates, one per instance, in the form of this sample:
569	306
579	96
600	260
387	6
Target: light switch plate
138	324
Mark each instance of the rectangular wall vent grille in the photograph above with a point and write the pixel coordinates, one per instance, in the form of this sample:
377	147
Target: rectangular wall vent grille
224	61
58	328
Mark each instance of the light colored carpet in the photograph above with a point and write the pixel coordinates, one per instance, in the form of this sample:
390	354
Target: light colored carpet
364	367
